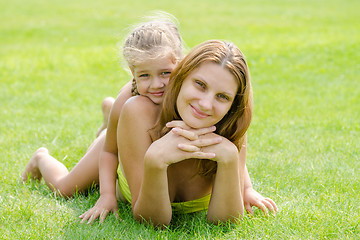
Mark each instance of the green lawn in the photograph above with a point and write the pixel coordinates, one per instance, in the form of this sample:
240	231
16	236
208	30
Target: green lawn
59	59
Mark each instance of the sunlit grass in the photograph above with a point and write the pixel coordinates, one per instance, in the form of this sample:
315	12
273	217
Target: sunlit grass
59	60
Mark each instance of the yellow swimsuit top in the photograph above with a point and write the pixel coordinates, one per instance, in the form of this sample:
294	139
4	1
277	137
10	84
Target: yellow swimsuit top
196	205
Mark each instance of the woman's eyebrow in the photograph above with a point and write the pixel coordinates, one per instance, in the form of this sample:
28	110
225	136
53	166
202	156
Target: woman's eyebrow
229	93
199	77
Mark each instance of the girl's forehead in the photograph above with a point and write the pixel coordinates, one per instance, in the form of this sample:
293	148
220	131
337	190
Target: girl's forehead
155	63
161	59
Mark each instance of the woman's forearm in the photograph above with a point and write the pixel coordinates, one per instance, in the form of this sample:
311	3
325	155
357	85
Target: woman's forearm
227	200
153	204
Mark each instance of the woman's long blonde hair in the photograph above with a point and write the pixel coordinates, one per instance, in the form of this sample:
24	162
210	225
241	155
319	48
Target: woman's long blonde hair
235	123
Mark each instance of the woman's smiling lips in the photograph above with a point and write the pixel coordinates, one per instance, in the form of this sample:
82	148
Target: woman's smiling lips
198	113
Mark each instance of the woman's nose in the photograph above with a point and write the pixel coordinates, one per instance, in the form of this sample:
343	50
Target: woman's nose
205	103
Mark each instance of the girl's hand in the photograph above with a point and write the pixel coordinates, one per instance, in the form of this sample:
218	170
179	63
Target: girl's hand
105	204
253	198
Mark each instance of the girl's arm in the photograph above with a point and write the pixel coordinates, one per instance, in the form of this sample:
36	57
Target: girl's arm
108	164
252	197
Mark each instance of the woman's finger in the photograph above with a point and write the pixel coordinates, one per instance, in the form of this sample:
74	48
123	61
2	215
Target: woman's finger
202	131
188	147
177	123
182	125
190	135
204	142
193	134
195	146
202	155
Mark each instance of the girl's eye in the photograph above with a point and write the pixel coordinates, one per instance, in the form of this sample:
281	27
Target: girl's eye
144	75
223	97
165	73
200	84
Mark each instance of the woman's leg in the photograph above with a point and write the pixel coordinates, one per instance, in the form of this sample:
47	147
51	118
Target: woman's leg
56	175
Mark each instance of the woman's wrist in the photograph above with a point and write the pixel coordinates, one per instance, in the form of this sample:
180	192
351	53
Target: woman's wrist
228	155
154	161
228	162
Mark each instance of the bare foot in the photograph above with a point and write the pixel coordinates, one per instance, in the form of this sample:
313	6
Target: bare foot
105	107
31	169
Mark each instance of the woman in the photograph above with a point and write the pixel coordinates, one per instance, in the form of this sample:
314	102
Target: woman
209	89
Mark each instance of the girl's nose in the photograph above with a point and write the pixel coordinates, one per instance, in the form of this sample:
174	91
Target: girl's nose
157	82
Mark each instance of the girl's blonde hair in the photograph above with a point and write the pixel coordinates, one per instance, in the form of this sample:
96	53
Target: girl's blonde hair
235	123
156	38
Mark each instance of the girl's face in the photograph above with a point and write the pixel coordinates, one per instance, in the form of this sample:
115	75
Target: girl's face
206	95
152	76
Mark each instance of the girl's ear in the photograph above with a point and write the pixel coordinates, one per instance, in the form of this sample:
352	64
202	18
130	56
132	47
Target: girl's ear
132	70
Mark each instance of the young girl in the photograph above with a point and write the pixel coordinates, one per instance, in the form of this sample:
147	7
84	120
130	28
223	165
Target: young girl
190	168
151	51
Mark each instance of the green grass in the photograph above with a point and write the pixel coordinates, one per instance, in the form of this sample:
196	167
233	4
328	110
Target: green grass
58	60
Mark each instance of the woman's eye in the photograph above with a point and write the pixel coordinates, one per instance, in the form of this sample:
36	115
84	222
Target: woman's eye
223	97
200	84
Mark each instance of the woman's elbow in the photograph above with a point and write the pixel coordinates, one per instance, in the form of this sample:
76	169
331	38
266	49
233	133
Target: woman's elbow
221	218
156	220
153	221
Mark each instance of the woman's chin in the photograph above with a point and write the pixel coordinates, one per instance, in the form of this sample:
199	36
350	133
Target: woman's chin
197	125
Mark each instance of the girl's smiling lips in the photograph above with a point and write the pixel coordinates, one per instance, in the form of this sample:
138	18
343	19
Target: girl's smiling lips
157	94
198	113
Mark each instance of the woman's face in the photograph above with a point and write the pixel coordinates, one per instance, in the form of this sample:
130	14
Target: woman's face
206	95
